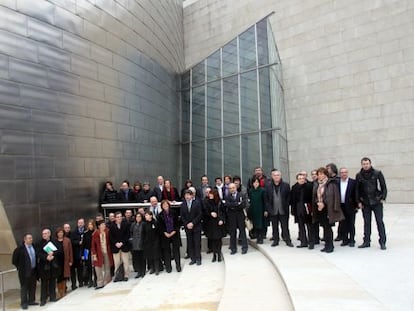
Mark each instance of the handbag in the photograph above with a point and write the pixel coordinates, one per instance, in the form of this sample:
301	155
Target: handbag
248	223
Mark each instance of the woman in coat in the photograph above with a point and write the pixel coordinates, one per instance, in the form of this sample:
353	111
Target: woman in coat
327	206
138	259
151	238
85	254
300	201
169	228
65	259
169	192
101	252
256	209
215	229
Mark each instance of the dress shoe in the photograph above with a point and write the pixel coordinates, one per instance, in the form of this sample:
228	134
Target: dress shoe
259	241
244	251
90	284
275	243
289	244
329	250
138	275
42	303
53	300
33	303
80	284
187	257
24	307
219	257
157	272
271	239
338	238
178	268
125	280
74	287
351	244
344	243
198	262
214	258
383	247
233	252
152	271
301	246
323	249
311	247
99	287
364	245
192	262
209	251
168	270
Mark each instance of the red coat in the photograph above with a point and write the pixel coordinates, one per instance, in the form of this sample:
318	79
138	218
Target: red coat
96	249
68	257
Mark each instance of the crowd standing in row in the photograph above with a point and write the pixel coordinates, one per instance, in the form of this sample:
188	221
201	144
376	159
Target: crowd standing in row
96	253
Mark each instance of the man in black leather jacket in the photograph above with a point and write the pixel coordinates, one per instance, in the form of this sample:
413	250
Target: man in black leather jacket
371	191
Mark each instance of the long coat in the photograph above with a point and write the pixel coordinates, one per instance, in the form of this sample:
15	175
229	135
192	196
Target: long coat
257	207
48	269
332	201
67	257
151	238
21	260
137	242
120	234
300	201
175	239
96	249
214	231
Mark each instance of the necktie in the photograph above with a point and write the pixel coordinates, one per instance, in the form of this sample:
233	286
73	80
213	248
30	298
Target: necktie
32	256
189	205
234	196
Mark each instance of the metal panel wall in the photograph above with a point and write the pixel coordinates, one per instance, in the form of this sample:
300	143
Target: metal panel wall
87	93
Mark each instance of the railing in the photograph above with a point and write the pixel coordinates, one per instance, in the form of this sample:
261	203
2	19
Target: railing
2	273
122	206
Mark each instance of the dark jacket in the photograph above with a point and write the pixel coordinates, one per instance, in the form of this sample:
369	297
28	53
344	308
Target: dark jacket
165	242
194	216
371	188
76	237
332	201
145	196
151	239
136	236
301	201
21	260
284	190
109	196
48	269
129	198
263	180
237	204
350	195
120	235
213	229
167	195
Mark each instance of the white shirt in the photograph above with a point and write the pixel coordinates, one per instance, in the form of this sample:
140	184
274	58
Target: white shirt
344	185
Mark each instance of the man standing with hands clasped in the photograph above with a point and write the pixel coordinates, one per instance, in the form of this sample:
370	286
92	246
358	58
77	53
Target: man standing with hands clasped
371	191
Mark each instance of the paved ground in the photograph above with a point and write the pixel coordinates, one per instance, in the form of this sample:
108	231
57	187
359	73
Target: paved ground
273	278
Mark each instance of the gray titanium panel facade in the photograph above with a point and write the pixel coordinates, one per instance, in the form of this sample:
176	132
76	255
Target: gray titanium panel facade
87	94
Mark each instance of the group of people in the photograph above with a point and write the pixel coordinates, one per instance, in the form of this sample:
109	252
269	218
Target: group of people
96	253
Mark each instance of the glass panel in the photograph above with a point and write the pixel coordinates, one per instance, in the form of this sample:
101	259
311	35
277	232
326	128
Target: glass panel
185	80
247	51
214	158
230	58
267	151
250	154
185	158
265	103
231	146
248	98
262	46
198	113
198	72
213	66
197	160
185	117
230	106
214	109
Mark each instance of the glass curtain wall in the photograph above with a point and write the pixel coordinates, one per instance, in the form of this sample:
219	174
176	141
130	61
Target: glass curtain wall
232	109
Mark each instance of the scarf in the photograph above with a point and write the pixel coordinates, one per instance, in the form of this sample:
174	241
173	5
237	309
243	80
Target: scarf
171	192
321	189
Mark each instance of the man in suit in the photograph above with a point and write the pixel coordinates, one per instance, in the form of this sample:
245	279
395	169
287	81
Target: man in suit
277	197
234	204
159	188
348	206
191	215
126	194
120	247
371	191
25	260
76	238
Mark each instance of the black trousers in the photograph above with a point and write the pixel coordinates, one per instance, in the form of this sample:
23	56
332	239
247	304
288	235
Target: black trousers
76	273
28	288
216	245
284	223
379	214
138	262
306	235
235	221
327	232
194	244
347	226
47	289
173	245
